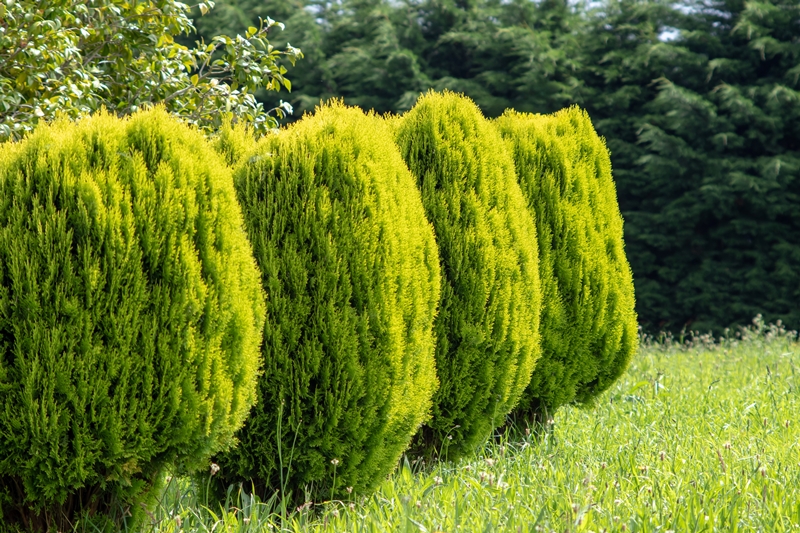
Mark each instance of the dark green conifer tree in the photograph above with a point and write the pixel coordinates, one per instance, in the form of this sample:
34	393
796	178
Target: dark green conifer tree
700	107
381	55
629	45
511	54
722	139
696	99
351	270
130	317
588	324
488	325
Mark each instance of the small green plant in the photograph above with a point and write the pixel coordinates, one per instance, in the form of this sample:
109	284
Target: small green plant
130	317
351	270
589	330
488	325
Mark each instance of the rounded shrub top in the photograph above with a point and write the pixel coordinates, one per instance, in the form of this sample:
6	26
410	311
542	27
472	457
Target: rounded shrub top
487	328
589	330
130	312
351	270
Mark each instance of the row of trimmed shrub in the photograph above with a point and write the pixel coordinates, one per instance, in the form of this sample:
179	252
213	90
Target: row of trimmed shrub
410	281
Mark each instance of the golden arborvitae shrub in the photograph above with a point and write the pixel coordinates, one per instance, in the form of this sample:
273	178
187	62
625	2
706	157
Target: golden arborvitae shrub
588	328
131	315
351	270
488	325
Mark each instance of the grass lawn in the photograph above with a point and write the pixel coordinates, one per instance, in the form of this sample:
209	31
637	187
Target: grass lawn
703	438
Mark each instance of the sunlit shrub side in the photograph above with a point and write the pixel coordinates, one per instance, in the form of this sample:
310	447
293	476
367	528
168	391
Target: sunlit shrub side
350	266
488	324
130	316
588	328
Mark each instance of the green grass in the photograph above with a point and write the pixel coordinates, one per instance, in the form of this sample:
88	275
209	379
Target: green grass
697	437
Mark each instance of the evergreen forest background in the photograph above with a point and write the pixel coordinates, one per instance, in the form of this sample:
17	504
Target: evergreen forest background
699	102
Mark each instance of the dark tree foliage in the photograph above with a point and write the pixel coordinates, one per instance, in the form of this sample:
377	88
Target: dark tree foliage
351	271
623	53
731	135
697	101
710	189
381	55
130	317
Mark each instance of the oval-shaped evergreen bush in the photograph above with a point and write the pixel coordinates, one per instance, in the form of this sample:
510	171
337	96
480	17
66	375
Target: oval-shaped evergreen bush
130	316
487	328
350	267
589	330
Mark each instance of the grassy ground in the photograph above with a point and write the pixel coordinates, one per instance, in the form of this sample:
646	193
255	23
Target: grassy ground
703	438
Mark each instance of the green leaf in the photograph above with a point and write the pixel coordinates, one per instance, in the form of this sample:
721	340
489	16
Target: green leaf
145	64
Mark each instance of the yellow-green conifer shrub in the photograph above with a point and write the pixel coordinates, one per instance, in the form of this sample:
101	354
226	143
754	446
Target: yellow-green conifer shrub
589	330
131	313
233	141
488	323
351	271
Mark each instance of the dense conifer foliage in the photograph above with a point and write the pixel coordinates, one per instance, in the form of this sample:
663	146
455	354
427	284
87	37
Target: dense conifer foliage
588	324
130	316
351	269
488	324
380	55
710	191
698	101
233	141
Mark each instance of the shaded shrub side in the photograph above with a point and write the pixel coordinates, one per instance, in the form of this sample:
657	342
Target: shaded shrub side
130	316
350	266
233	141
589	330
488	324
